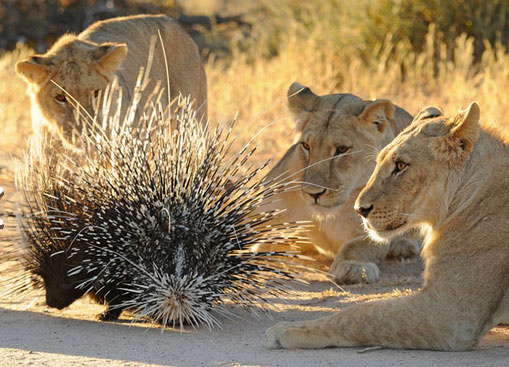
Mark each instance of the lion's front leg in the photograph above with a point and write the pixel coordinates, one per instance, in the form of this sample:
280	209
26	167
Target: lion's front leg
413	322
305	335
360	325
356	261
404	247
453	311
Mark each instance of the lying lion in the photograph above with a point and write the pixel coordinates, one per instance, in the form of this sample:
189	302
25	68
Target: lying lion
83	65
449	177
338	136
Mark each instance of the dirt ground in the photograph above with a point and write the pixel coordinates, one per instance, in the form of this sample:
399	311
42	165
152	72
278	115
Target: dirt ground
31	334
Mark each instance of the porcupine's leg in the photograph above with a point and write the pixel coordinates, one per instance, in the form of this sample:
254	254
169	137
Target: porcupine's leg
113	310
452	312
111	313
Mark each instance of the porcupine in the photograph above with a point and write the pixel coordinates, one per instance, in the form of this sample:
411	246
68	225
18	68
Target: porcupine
160	221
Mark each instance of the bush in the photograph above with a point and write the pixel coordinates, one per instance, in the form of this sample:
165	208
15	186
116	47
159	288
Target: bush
409	20
39	22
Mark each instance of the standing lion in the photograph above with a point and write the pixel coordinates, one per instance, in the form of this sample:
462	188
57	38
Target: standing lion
78	68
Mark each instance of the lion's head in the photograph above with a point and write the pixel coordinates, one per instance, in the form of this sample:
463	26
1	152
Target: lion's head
338	136
415	173
80	68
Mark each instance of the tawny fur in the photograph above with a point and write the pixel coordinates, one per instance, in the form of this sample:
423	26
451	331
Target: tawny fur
325	124
454	185
85	64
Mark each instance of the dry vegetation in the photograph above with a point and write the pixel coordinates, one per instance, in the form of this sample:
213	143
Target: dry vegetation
326	52
15	125
320	44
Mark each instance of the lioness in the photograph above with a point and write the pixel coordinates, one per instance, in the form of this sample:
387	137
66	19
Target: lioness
84	64
338	136
449	177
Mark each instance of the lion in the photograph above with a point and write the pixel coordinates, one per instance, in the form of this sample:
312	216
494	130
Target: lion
449	177
332	157
78	68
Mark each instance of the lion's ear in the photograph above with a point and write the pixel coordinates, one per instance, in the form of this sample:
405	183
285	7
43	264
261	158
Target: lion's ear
33	69
302	101
110	56
428	113
464	127
378	112
301	98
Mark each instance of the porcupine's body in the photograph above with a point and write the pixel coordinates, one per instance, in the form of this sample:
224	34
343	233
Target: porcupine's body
52	213
160	224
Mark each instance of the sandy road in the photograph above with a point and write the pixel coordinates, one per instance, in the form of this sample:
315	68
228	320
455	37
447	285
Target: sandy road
31	334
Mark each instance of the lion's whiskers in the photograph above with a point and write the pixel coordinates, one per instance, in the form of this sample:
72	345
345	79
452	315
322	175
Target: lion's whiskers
314	184
372	152
281	176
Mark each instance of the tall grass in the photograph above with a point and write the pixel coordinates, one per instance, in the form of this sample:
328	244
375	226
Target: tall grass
15	122
320	44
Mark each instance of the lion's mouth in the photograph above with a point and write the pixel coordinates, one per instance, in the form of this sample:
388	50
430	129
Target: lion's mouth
325	202
326	206
392	227
388	228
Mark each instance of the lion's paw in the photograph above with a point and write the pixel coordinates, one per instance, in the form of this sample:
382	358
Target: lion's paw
283	335
349	271
403	248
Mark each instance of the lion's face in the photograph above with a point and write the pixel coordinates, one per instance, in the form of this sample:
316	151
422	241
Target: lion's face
338	137
71	73
410	183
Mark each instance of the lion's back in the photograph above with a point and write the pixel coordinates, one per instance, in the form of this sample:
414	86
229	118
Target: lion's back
186	70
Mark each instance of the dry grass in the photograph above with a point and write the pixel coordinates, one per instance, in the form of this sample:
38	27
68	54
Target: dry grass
15	123
257	88
318	46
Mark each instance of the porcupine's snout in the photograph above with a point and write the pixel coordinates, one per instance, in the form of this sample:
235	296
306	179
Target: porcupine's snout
55	302
61	296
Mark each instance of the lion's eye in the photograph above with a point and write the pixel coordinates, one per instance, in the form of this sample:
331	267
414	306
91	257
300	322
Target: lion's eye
399	166
61	98
305	146
342	149
96	93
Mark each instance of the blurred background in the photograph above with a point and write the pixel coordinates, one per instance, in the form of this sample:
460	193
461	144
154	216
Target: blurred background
414	52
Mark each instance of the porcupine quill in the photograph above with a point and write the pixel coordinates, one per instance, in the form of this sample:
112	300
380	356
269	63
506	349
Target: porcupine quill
155	219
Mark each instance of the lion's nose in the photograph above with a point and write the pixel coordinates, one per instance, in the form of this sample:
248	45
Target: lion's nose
364	211
316	195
